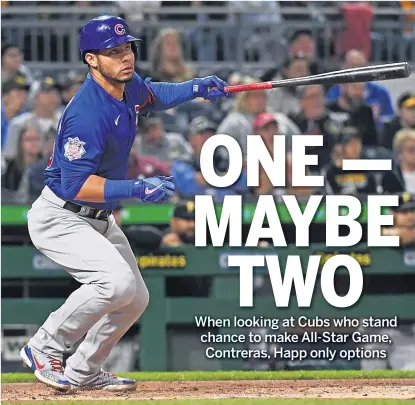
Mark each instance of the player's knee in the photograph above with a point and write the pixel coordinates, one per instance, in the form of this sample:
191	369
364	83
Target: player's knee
123	289
140	302
144	298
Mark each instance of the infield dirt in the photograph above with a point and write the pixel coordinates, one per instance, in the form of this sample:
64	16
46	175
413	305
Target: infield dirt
157	390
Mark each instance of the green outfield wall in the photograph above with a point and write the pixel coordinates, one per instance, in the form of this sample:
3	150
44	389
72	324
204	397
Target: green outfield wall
25	265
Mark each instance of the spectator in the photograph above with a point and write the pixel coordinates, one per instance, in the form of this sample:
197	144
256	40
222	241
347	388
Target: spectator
300	43
141	237
357	19
181	233
70	85
155	142
266	126
351	107
234	78
402	176
182	225
185	113
29	151
212	44
315	119
339	181
299	191
45	114
200	130
14	96
403	221
404	119
259	25
375	94
166	58
12	63
172	121
145	166
239	122
136	11
409	5
285	99
289	189
35	174
187	174
185	5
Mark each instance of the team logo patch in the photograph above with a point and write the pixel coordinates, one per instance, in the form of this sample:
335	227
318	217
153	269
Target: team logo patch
74	149
119	29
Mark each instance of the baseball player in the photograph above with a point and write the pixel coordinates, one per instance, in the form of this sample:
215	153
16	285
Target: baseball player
71	222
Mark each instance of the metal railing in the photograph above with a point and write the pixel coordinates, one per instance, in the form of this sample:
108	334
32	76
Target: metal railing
49	35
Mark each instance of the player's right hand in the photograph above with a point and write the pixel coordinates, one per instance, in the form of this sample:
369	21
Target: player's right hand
155	189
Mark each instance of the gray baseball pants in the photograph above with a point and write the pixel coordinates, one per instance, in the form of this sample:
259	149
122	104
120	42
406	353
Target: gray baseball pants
111	298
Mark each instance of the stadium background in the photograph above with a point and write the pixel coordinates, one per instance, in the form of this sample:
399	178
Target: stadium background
240	42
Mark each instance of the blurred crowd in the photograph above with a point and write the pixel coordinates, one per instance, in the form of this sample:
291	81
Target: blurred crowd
356	120
255	30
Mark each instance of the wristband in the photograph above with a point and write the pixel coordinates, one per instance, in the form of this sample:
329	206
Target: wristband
118	189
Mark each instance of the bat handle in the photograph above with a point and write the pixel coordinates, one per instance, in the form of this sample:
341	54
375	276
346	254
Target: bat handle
246	87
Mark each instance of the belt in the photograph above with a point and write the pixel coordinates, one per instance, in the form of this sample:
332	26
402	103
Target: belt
87	212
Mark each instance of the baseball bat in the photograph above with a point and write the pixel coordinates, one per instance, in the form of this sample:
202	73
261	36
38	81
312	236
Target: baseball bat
354	75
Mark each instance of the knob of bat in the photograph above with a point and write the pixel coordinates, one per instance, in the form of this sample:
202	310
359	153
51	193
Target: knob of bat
407	69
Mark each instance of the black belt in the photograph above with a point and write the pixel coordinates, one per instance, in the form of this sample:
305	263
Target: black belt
87	212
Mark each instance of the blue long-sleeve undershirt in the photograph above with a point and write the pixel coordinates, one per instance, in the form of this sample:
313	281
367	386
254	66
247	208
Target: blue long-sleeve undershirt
169	95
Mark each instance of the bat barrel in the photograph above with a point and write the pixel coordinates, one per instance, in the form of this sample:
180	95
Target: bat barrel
363	74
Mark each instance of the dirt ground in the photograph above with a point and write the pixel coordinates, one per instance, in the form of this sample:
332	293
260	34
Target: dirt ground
359	388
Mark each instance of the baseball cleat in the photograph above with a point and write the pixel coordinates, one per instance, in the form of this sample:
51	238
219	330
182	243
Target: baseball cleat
108	382
47	369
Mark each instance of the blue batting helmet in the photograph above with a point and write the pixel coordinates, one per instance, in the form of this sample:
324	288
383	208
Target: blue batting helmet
105	32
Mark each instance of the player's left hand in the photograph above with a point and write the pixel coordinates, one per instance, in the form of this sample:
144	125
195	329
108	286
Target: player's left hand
157	189
210	88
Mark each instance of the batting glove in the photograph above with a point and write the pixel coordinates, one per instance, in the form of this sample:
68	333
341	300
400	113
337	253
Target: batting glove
210	88
155	189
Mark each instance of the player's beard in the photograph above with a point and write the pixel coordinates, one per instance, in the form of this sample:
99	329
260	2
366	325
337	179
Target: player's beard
112	77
